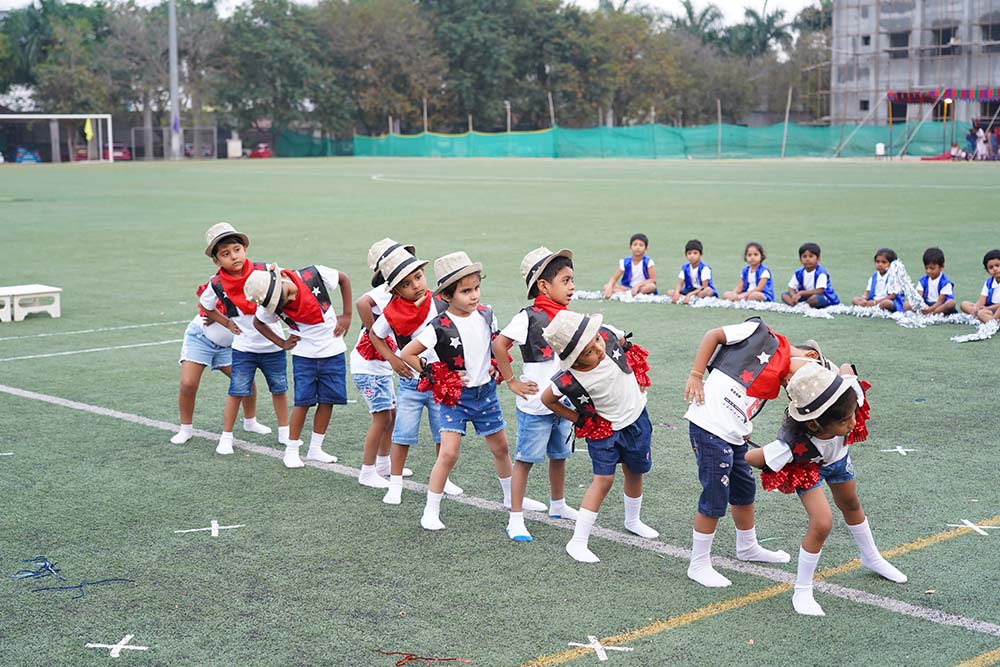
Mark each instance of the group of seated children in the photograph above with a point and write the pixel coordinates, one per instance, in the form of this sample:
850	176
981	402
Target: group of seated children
810	284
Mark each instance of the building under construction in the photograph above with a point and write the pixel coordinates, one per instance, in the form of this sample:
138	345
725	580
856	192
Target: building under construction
900	60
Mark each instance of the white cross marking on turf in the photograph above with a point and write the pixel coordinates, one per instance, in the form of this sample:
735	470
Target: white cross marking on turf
116	649
7	454
968	524
599	648
899	449
215	528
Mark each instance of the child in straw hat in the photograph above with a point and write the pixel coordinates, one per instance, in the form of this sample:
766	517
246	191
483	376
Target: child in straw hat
596	378
820	422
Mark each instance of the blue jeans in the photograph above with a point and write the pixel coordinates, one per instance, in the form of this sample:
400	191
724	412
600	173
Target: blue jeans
836	473
320	380
726	478
629	446
377	390
478	405
245	365
410	405
541	435
199	349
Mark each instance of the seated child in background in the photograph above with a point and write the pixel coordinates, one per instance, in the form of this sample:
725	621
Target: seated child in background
882	292
987	306
695	278
637	272
818	428
755	281
811	283
934	286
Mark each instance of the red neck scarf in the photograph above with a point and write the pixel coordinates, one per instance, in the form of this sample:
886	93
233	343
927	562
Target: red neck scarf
548	305
233	287
405	317
767	385
304	308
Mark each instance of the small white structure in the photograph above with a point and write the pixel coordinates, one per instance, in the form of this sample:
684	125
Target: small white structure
879	151
19	301
116	649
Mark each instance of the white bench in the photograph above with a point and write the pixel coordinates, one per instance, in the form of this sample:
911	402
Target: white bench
19	301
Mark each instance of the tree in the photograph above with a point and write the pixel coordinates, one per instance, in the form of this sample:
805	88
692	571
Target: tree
199	43
758	33
815	18
704	25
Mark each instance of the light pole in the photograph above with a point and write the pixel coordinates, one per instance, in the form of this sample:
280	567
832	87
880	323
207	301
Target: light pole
506	104
175	102
944	129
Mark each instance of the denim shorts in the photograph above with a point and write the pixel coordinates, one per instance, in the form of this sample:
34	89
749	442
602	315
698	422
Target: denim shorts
726	478
836	473
198	349
377	389
478	405
821	300
410	405
541	435
629	446
321	380
245	365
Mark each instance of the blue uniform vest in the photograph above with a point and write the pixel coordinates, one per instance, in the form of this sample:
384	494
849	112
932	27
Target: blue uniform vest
830	295
897	302
627	271
747	283
943	282
689	285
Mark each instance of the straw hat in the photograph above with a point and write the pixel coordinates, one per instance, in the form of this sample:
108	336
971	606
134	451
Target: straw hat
452	268
219	231
396	265
534	263
379	251
814	388
568	333
263	287
814	346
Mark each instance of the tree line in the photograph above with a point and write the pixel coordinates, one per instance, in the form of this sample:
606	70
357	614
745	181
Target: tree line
343	66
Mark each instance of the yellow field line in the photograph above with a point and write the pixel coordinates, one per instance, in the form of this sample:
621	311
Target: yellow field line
721	607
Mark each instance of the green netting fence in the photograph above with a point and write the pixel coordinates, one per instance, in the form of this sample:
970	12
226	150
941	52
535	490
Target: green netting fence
662	142
293	144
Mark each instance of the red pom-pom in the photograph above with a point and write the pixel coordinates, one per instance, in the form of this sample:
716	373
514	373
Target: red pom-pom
368	351
793	476
860	431
497	374
445	383
595	428
636	356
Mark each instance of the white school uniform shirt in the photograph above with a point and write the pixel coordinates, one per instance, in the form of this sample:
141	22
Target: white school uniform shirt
933	290
881	285
316	340
249	339
539	372
985	291
706	273
778	454
727	409
476	341
637	275
382	329
359	365
810	281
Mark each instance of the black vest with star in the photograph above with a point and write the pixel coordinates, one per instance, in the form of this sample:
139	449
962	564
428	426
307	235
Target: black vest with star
744	361
310	276
536	349
220	292
571	388
449	348
802	448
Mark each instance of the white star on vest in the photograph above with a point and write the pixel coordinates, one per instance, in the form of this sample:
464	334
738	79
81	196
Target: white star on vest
584	399
763	357
616	354
455	342
316	291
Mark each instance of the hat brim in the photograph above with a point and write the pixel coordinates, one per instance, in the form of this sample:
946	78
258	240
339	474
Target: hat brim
454	277
272	306
539	268
211	245
847	383
408	267
379	279
593	326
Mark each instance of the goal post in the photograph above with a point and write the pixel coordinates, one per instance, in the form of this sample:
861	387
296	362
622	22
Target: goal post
101	125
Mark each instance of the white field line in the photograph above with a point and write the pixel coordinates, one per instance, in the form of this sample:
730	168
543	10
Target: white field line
92	349
682	553
87	331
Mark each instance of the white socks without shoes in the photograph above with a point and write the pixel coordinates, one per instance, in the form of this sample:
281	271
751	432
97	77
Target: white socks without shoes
183	435
316	452
802	599
432	511
282	435
527	504
577	546
225	443
369	477
383	466
291	458
700	569
747	548
450	488
394	495
633	507
870	556
558	509
516	530
253	426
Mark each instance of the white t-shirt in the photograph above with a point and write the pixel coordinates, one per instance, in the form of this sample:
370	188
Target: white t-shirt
540	372
476	342
986	292
249	339
214	331
382	329
637	275
317	340
727	409
810	282
616	395
881	286
777	454
359	365
706	274
933	291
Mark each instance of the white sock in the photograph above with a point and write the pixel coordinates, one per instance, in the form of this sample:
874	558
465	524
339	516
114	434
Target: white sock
516	530
529	505
251	425
225	443
370	477
870	556
633	507
432	512
450	488
577	546
747	548
505	485
183	435
802	599
394	495
282	435
383	464
558	509
316	452
700	569
291	458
